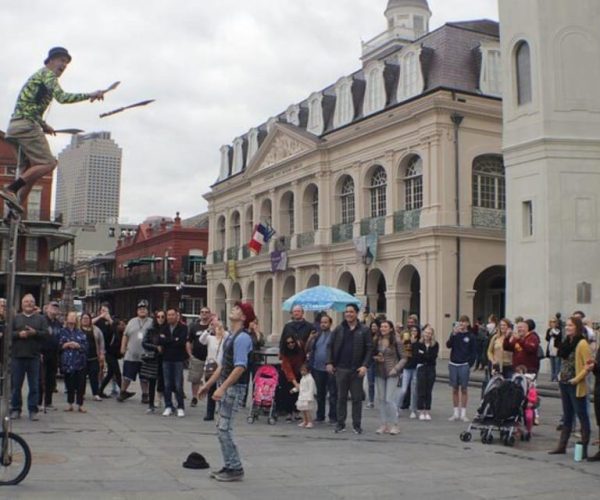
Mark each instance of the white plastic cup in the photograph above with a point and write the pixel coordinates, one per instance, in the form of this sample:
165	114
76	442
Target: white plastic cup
578	452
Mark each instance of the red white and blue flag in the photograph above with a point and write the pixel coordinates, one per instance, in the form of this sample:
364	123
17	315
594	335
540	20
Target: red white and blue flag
262	234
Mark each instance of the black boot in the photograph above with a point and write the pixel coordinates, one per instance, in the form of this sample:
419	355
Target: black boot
561	448
585	441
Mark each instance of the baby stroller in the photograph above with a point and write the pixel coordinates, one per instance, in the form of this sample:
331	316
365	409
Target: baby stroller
501	411
266	380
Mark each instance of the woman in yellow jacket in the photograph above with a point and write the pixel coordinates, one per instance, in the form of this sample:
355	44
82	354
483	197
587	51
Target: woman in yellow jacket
576	354
500	359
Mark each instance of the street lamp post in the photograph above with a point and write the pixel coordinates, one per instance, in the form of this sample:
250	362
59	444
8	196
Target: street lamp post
367	261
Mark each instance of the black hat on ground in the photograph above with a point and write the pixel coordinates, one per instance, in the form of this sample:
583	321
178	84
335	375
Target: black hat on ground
56	52
195	461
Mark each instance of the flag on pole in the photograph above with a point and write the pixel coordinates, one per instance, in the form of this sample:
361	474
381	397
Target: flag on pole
262	234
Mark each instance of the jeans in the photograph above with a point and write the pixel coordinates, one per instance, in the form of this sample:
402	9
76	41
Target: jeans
20	368
48	369
574	406
173	373
387	399
93	372
75	383
227	410
425	381
325	383
371	382
211	404
555	363
113	370
408	378
349	380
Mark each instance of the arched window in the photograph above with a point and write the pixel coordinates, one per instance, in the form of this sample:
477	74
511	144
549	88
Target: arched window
347	199
315	209
488	182
221	233
378	192
413	184
235	229
290	213
523	72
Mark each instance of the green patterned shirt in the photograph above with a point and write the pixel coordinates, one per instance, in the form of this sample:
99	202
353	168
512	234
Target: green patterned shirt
38	92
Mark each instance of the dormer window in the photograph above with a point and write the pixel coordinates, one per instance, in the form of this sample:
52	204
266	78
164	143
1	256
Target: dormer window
224	170
252	143
344	104
238	155
375	91
292	115
411	78
490	82
316	123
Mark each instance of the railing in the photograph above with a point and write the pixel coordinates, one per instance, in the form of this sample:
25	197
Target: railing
284	242
342	232
218	256
246	253
490	218
232	253
374	225
93	281
139	279
407	220
306	239
36	266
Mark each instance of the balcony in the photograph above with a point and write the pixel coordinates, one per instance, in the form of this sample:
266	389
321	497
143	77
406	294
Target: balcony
232	253
407	220
37	266
218	256
374	225
488	218
139	279
246	253
306	239
342	232
284	243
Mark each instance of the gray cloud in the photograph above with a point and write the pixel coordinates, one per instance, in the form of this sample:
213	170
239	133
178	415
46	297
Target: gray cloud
216	68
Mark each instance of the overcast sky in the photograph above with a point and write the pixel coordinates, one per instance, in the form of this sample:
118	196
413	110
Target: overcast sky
215	67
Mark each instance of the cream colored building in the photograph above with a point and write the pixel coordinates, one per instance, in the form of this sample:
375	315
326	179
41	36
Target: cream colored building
380	151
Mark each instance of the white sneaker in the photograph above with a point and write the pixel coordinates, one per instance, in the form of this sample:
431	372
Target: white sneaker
427	416
464	418
422	416
454	418
413	415
168	412
394	430
180	413
97	398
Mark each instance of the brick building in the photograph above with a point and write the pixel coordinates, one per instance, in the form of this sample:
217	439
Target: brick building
45	252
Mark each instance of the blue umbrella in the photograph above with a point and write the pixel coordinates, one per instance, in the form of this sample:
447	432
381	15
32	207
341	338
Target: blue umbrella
321	298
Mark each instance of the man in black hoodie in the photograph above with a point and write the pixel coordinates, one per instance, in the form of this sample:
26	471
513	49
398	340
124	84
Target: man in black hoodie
172	340
298	328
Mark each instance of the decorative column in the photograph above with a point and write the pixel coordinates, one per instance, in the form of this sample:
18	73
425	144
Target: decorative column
326	200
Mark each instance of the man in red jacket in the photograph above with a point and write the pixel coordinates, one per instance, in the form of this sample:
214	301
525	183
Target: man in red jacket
524	344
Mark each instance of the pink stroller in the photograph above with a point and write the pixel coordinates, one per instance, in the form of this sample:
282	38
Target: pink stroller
266	380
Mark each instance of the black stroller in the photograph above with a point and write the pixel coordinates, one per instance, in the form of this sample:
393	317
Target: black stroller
501	411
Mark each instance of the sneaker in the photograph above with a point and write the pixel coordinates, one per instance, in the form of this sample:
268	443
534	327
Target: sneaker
339	428
11	199
168	412
50	408
464	418
394	430
370	406
382	430
125	395
309	425
301	424
454	418
427	416
208	419
422	417
33	416
413	415
230	475
180	413
97	398
215	473
15	415
194	402
104	395
357	430
150	410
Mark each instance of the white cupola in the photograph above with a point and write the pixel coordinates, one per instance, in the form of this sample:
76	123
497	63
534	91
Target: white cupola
408	18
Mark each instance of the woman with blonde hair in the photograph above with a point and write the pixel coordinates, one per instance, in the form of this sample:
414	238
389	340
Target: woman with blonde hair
73	361
426	352
500	359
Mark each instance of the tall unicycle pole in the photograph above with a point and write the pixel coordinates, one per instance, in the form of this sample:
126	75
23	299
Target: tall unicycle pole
15	455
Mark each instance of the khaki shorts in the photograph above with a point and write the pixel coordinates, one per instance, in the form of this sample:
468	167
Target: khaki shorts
196	371
32	140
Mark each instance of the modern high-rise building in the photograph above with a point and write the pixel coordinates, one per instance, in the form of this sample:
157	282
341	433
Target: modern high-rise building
89	180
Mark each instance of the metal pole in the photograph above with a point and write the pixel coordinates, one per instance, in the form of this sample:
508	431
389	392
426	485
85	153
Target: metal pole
457	120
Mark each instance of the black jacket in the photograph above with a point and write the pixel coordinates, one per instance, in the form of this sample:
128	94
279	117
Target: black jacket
173	344
300	330
361	350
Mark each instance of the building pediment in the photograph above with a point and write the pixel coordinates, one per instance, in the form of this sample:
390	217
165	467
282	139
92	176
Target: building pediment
283	143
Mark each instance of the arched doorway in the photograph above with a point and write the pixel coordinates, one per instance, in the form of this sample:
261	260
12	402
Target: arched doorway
376	288
409	293
221	302
347	283
250	294
267	321
236	292
314	280
490	293
289	288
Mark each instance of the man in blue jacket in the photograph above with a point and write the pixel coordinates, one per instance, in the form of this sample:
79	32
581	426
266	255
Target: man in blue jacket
463	352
